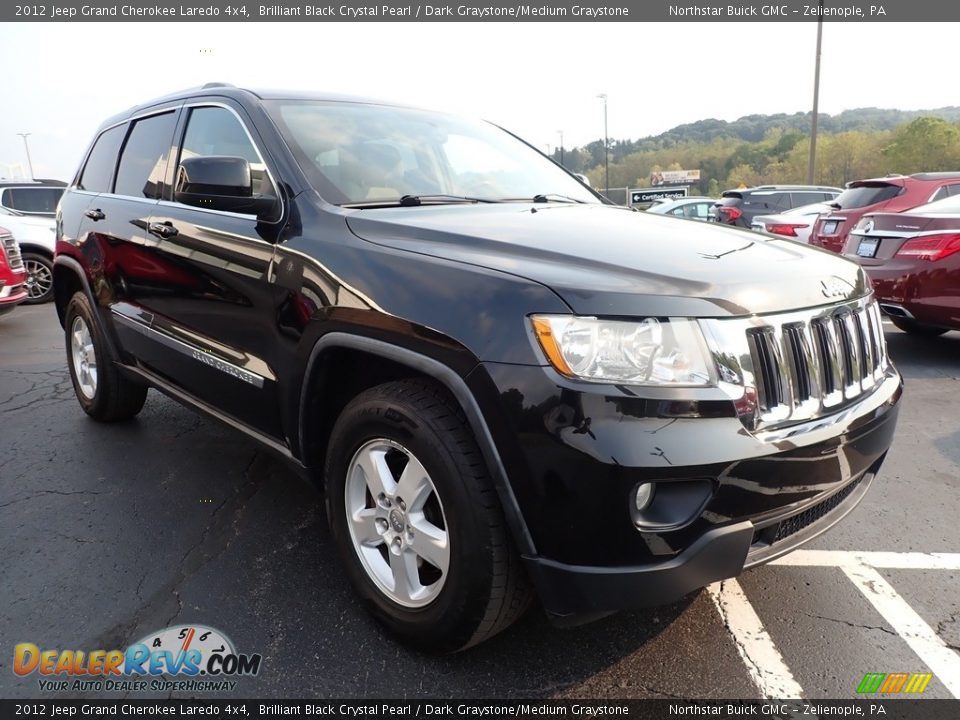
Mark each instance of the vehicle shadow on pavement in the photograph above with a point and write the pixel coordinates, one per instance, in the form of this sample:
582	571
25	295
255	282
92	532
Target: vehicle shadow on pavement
921	357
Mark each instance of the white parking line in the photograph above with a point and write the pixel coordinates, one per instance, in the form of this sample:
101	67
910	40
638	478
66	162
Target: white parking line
760	655
885	560
921	638
860	567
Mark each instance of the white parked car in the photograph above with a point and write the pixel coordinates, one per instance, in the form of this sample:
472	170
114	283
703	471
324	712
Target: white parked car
693	207
36	236
795	224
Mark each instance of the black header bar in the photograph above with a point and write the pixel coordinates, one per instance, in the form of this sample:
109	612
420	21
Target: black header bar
479	11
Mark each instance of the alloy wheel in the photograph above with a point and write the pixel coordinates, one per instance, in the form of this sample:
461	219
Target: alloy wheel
396	523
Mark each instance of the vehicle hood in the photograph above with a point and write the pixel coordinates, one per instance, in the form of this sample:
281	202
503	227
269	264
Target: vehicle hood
603	260
30	229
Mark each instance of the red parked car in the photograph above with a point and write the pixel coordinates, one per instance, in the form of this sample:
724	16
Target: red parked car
913	260
13	276
890	194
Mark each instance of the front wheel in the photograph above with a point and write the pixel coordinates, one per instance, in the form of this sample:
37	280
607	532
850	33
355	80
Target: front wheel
102	391
39	278
914	328
417	521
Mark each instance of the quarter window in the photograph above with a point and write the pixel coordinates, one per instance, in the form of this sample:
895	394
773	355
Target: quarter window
143	161
98	171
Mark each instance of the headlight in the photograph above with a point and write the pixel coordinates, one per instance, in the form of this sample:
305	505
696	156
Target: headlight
645	352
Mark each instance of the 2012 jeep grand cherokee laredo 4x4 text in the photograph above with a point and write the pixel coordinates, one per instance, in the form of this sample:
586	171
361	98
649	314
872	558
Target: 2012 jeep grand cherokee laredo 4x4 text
505	386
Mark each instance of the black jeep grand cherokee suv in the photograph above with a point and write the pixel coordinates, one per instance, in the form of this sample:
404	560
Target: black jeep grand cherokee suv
504	385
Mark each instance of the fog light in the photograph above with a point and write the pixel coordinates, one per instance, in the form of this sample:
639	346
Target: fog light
643	496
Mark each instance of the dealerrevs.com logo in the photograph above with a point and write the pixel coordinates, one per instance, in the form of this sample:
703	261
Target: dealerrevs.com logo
183	658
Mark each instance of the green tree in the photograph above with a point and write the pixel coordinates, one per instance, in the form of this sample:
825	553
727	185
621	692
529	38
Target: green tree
926	144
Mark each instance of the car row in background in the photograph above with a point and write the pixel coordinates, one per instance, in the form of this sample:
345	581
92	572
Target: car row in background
740	207
913	260
13	277
903	230
889	194
795	224
27	211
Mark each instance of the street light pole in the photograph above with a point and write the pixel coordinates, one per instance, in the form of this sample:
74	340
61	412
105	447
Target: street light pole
606	144
560	132
811	166
26	145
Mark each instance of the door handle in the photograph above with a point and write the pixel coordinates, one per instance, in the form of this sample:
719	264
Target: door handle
95	214
164	229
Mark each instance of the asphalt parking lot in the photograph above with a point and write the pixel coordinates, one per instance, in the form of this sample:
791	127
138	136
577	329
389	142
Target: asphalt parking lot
111	532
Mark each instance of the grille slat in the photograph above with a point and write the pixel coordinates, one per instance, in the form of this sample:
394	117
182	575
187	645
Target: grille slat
799	354
803	369
771	387
12	250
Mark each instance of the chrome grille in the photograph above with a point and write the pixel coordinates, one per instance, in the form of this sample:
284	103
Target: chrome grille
800	366
12	250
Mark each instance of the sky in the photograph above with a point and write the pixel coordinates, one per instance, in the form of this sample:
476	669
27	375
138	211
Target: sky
535	79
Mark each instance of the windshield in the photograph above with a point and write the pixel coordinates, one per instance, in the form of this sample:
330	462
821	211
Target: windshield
863	195
360	154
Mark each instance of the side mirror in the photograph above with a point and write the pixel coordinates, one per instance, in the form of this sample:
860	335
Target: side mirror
219	182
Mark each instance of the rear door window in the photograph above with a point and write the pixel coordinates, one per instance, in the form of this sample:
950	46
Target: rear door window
946	191
143	162
98	170
806	198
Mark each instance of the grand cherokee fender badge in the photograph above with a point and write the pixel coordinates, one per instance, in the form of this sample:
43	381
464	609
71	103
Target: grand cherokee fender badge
835	287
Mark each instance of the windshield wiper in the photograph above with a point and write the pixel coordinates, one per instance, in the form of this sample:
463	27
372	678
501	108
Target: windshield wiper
413	200
555	197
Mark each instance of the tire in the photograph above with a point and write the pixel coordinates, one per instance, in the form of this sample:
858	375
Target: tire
483	589
912	327
102	391
39	278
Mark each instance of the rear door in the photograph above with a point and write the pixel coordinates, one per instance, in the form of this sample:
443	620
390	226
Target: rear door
121	184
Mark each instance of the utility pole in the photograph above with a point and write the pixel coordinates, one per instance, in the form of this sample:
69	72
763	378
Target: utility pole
811	167
606	145
560	132
26	146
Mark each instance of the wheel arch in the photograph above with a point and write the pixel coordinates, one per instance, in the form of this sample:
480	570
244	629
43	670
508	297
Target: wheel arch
69	278
316	416
35	248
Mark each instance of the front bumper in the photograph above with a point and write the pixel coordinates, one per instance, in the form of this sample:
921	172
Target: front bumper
577	456
13	293
577	590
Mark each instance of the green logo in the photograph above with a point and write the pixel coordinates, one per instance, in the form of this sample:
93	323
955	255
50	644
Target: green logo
891	683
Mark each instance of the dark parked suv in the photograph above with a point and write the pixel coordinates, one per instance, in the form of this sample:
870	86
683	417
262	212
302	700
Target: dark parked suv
740	207
504	386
